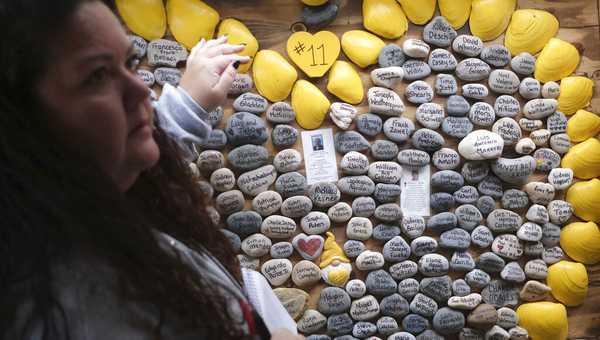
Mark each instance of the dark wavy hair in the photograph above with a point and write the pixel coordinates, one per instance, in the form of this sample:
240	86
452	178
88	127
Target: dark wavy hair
53	202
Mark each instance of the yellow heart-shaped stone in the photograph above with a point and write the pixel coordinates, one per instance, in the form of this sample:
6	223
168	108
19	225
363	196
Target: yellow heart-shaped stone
146	18
310	105
362	47
418	12
314	54
384	18
273	75
191	20
238	33
345	83
575	93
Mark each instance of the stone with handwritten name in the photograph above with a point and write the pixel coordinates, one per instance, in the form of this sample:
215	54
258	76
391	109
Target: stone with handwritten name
363	329
419	92
509	246
508	129
477	278
482	114
447	181
439	32
561	178
363	206
456	238
404	269
396	250
475	171
546	159
513	272
384	150
356	185
536	269
369	124
287	160
540	137
468	302
537	214
466	195
324	194
354	163
448	321
539	192
500	294
216	140
514	171
242	83
296	206
388	77
278	227
504	81
339	324
441	201
398	129
147	77
340	212
423	245
445	85
380	283
534	291
413	324
502	221
280	113
369	260
551	90
523	63
446	159
333	300
391	55
550	235
385	172
384	232
387	193
525	146
557	123
515	199
359	228
140	46
423	305
552	255
540	108
167	75
257	245
457	127
490	262
560	143
291	184
472	69
430	115
441	60
507	106
480	145
281	250
433	265
416	69
462	260
364	308
284	135
457	106
246	128
347	141
248	262
482	236
439	288
496	55
530	88
385	102
210	160
394	305
468	216
353	248
412	226
244	223
491	186
256	181
311	321
467	45
388	326
215	116
475	91
230	202
248	157
315	222
413	158
162	52
427	140
486	204
222	179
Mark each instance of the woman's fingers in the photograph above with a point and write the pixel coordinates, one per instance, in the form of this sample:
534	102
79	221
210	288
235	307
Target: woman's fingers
221	62
224	49
196	48
226	79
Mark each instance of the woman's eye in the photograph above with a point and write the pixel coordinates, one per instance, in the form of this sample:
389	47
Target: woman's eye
97	77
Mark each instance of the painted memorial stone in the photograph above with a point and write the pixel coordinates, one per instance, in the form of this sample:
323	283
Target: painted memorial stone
282	250
415	48
486	204
508	246
353	248
475	91
396	250
319	17
385	102
369	124
480	145
146	76
356	288
311	321
468	216
423	305
552	255
560	143
419	92
398	129
413	226
359	228
384	150
546	159
256	181
423	245
448	321
514	171
280	113
315	222
309	247
457	106
442	222
163	52
250	102
515	199
530	125
496	55
447	181
408	288
356	185
380	283
445	85
363	206
249	262
473	69
354	163
415	69
229	202
222	179
457	127
477	278
388	77
385	232
536	269
560	211
539	108
430	115
462	261
413	324
340	212
508	129
413	158
491	186
385	172
284	135
339	324
539	192
369	260
550	235
244	223
504	81
391	55
216	140
291	184
513	272
210	160
468	45
278	227
482	236
433	265
446	159
482	114
403	270
537	214
441	60
287	160
167	75
296	206
439	32
387	326
427	140
507	106
475	171
363	329
388	212
347	141
500	294
530	88
333	300
364	308
557	123
561	178
525	146
439	288
502	220
467	302
324	194
242	83
245	128
456	238
387	193
140	46
523	63
257	245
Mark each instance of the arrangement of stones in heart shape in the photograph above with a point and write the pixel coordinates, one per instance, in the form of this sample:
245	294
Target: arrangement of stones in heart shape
501	237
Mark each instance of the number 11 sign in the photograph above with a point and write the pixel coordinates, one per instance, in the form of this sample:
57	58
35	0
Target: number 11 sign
314	54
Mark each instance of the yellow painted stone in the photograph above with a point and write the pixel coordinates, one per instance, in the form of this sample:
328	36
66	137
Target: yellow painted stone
489	18
557	60
529	31
273	76
384	18
544	320
310	104
575	93
314	2
569	282
345	83
457	12
314	54
362	47
237	34
583	125
581	241
146	18
191	20
585	199
419	12
584	159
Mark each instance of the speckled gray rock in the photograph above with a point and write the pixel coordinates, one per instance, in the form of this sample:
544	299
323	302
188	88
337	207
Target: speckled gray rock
468	45
353	248
380	283
391	55
475	171
229	202
496	55
248	157
482	236
448	321
441	60
441	201
514	171
413	158
216	140
408	288
280	113
363	206
477	278
513	272
423	305
396	250
455	239
446	159
490	262
439	32
415	323
296	206
333	300
438	288
369	124
457	106
284	135
457	127
423	245
460	288
387	193
415	69
398	129
347	141
447	181
445	85
442	222
250	102
291	184
384	150
245	128
339	324
472	69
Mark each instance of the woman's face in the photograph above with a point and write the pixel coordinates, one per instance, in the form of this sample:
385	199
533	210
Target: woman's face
98	106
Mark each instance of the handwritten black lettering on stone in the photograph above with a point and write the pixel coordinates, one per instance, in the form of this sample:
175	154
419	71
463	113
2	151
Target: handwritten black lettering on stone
523	63
398	129
445	84
441	60
391	55
291	184
164	52
468	45
166	75
472	69
508	129
281	113
439	32
248	157
507	106
146	76
416	69
515	170
496	55
475	91
504	82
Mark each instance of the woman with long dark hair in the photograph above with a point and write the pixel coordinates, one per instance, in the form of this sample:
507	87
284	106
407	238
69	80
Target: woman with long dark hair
103	233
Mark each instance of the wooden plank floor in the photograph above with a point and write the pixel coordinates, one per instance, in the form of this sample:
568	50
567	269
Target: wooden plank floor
271	20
